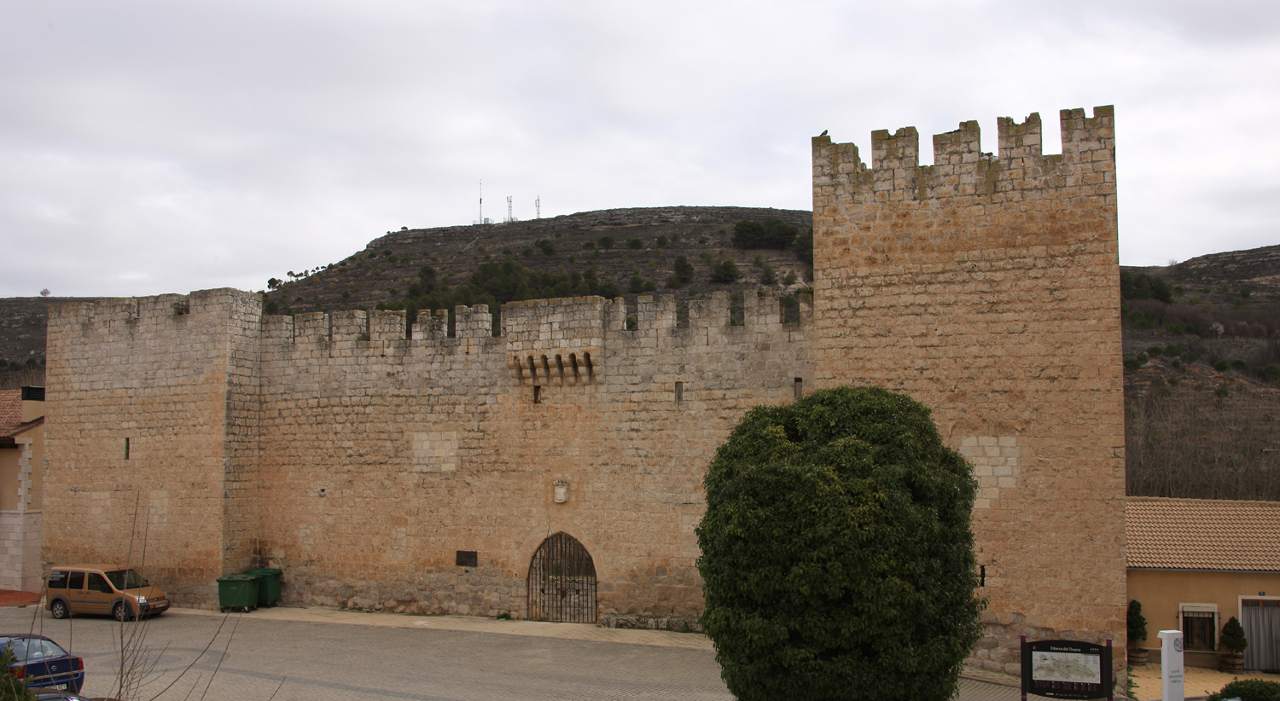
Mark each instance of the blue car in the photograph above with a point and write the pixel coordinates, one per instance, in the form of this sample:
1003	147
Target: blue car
42	664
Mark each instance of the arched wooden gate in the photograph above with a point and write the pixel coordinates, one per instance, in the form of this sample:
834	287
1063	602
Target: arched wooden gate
562	582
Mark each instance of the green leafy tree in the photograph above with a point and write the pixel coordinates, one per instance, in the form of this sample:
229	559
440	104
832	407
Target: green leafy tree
683	274
1233	636
725	272
771	233
837	556
11	687
1135	285
639	285
1137	623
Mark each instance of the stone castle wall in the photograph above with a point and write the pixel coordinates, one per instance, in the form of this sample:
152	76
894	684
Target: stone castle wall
988	288
362	458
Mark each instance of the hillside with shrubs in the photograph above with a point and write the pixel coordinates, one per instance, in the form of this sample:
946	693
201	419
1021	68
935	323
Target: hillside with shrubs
1201	337
611	253
1202	376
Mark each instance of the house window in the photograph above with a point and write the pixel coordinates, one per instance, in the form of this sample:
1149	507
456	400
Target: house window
1199	626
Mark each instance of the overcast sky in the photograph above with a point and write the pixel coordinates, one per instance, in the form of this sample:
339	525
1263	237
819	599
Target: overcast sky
165	146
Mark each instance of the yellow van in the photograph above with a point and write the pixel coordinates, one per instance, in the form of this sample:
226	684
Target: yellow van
107	589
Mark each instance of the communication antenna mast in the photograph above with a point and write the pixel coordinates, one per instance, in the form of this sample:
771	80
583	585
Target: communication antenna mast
537	207
481	219
509	217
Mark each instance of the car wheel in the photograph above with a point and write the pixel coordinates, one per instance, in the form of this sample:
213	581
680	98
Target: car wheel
58	609
120	612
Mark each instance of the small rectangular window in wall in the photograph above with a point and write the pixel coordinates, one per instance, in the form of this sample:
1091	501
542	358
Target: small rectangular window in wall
466	558
126	448
1199	626
679	393
537	394
798	388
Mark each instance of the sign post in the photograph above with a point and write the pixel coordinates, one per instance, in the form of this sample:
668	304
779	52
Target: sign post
1171	670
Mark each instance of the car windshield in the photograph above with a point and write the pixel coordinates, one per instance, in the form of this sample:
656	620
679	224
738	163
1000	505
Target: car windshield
126	579
29	649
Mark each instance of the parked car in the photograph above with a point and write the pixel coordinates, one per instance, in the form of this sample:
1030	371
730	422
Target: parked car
108	589
41	663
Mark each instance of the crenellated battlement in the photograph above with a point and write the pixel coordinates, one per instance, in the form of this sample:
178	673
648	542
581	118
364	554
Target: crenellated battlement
535	335
960	167
531	324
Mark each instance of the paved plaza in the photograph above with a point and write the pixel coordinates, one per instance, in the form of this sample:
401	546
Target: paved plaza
322	654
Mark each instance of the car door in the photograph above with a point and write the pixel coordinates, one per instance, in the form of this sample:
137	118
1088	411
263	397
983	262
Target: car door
75	592
98	592
57	584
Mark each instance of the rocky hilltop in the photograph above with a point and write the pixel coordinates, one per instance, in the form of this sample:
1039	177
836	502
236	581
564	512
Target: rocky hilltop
624	250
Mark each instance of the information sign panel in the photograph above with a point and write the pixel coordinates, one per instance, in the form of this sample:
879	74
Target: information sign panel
1066	669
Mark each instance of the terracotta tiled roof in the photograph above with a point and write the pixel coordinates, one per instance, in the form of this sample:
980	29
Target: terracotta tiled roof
10	409
1203	534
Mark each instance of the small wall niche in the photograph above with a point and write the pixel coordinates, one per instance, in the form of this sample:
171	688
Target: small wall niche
466	558
537	394
127	447
738	309
679	393
797	388
789	310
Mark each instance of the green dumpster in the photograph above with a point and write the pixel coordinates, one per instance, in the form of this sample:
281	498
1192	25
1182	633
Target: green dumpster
268	585
238	592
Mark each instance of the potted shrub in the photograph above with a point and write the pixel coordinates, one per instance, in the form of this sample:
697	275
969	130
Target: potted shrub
1231	659
1137	634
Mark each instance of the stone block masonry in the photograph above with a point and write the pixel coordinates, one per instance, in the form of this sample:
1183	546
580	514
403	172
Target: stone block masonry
150	431
362	459
412	464
987	286
20	550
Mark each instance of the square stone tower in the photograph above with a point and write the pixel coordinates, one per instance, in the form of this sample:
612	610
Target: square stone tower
987	287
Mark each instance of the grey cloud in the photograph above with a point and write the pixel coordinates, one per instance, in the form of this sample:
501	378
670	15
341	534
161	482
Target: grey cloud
152	147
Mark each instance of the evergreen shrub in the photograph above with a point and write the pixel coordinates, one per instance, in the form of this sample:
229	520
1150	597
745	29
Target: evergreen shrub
837	555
